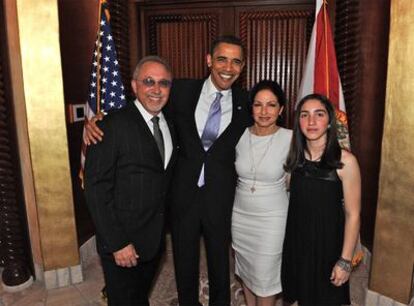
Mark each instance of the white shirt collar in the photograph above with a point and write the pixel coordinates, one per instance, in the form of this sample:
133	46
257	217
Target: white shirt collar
210	90
145	114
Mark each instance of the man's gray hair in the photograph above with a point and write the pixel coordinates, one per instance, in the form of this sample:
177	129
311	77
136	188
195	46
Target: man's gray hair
154	59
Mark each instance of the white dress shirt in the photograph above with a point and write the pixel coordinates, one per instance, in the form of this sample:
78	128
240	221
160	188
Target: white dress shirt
207	96
166	135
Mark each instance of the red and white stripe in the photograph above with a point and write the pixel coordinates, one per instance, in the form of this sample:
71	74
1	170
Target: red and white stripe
321	73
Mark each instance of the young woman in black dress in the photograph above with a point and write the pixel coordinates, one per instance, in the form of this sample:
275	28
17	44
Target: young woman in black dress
323	218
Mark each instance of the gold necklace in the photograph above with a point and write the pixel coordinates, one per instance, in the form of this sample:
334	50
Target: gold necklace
255	166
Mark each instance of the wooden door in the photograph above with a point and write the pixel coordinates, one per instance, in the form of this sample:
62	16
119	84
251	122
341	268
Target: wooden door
275	33
277	42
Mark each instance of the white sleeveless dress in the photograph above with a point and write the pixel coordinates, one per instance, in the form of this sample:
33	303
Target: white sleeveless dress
259	217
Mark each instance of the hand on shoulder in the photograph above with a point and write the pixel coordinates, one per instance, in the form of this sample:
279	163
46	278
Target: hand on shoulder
93	134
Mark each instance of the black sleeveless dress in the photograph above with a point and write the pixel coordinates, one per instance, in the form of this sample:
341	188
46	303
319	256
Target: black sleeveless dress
314	237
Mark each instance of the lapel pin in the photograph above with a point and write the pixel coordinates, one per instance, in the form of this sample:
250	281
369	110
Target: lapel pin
239	107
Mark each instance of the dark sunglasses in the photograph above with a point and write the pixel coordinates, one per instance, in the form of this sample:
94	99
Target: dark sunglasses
150	82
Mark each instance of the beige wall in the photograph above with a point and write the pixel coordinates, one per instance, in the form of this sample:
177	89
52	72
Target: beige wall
37	90
393	253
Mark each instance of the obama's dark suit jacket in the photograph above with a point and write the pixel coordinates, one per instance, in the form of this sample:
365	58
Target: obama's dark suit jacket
204	210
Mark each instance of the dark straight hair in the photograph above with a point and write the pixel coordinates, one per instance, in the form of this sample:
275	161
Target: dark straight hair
331	157
275	88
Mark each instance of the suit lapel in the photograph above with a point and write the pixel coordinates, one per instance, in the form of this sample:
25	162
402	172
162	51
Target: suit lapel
238	106
174	143
194	99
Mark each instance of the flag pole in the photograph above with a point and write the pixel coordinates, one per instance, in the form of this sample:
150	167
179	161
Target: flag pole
325	26
98	91
98	60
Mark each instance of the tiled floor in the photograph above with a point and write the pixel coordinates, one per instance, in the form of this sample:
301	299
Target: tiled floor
164	292
85	293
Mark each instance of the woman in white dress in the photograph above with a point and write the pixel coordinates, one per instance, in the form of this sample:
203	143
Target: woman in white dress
261	201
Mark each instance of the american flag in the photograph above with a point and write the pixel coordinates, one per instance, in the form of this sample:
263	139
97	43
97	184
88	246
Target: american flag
106	91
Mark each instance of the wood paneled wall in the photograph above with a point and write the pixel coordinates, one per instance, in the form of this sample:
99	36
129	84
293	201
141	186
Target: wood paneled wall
121	33
366	108
14	239
183	40
277	43
347	40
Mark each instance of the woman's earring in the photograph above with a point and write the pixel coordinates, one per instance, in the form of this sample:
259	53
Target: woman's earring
329	126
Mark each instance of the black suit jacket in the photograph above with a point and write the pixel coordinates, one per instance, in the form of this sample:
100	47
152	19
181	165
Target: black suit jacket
220	174
126	184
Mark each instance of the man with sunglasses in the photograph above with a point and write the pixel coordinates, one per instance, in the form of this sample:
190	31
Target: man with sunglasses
127	176
210	116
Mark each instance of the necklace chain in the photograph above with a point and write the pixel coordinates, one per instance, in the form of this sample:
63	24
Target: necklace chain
255	166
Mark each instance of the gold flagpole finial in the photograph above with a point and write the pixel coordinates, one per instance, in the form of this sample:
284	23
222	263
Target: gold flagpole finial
106	10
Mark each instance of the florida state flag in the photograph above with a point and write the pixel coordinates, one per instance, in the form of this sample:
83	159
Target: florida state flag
321	73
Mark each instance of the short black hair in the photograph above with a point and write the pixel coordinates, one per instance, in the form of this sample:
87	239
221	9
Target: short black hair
228	39
273	86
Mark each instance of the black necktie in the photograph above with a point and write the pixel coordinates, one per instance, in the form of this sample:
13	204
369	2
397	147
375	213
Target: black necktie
158	136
